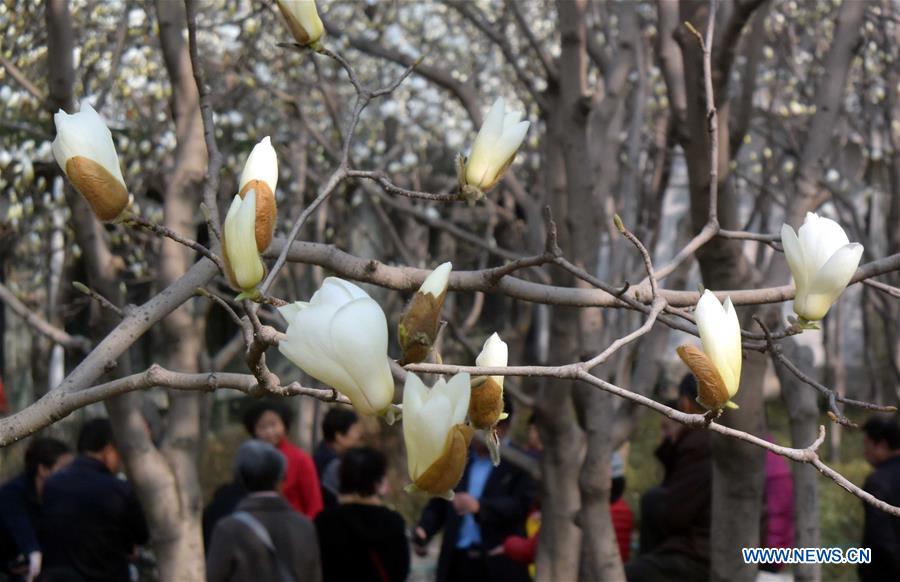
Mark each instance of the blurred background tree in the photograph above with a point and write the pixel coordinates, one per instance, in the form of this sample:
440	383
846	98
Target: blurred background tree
807	99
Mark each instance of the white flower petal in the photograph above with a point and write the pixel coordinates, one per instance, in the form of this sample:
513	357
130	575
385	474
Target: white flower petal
85	134
494	353
820	238
830	282
414	395
458	391
717	335
240	241
793	252
289	311
262	164
308	345
508	144
437	280
359	338
432	429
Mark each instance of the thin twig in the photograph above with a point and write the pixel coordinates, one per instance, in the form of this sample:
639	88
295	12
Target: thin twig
161	230
103	301
214	162
363	97
382	179
41	325
26	84
711	228
223	304
832	397
883	287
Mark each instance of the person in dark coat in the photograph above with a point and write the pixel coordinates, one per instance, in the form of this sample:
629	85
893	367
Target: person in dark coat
675	516
360	539
341	430
225	499
489	505
265	539
881	530
91	523
20	505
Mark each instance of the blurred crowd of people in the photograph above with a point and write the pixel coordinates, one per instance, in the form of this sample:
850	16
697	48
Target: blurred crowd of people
289	516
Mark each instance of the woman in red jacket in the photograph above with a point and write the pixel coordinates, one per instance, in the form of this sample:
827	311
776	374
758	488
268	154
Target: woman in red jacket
269	422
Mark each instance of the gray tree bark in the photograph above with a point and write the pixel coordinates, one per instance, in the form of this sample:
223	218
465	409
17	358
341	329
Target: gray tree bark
183	329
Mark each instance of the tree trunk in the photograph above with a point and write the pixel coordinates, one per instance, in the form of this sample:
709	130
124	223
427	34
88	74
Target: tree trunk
738	467
183	328
560	545
803	412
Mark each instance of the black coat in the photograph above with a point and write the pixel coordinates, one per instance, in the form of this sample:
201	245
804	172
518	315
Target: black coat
507	497
90	523
687	487
236	554
225	500
881	531
19	510
362	543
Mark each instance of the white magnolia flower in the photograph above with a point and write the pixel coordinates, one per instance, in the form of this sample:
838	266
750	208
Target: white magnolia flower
261	174
340	338
303	20
495	146
84	150
436	438
718	366
822	261
245	267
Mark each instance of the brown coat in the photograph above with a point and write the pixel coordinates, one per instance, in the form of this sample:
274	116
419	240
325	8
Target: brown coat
236	554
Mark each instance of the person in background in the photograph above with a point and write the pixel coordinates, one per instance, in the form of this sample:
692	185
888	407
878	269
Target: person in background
225	498
881	530
360	539
619	512
20	504
265	539
91	521
341	430
675	515
778	507
269	422
524	550
533	444
490	504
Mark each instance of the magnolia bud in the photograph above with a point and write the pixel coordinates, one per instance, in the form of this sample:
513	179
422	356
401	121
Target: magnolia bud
494	149
486	402
419	326
244	268
303	20
84	150
718	366
261	174
437	441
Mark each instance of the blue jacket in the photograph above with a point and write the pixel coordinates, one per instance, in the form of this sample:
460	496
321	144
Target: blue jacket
90	522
